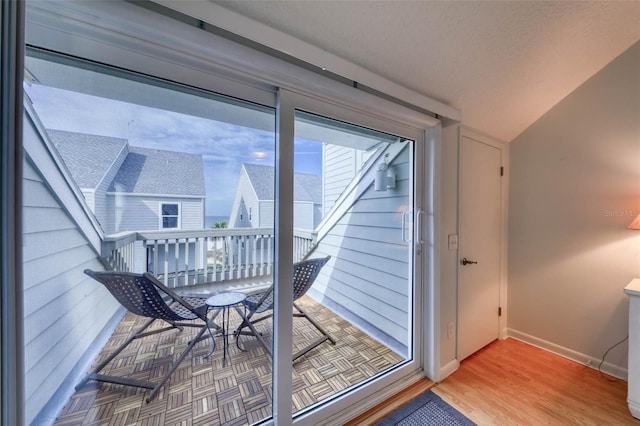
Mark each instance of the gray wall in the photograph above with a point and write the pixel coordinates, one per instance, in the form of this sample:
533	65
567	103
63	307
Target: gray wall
339	166
575	183
137	213
245	198
367	279
64	309
100	200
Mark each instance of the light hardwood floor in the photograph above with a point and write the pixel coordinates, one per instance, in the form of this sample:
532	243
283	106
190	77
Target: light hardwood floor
513	383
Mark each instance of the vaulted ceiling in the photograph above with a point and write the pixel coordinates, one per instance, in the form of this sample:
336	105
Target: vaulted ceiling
504	64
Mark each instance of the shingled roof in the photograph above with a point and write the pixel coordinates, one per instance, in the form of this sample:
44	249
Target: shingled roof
154	171
306	186
88	157
144	170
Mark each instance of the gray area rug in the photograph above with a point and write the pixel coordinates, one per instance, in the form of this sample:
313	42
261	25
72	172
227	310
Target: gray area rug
426	409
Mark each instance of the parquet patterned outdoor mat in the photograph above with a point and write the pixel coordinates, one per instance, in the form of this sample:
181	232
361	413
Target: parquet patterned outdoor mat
202	392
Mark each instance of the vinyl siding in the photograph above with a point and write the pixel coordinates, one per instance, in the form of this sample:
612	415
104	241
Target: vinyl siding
266	213
64	310
340	165
244	199
142	213
303	215
100	206
262	211
368	277
317	215
89	197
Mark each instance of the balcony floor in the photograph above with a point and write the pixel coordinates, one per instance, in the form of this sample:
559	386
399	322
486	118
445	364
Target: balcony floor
202	392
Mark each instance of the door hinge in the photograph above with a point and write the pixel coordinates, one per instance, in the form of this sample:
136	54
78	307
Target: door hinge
500	311
501	171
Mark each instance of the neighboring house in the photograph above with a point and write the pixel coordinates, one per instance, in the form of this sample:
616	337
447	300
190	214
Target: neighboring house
253	205
131	188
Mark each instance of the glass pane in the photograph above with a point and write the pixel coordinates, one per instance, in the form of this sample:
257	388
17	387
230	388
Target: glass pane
170	209
114	163
353	205
170	222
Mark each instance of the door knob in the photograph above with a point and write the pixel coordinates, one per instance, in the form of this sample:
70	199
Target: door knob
466	261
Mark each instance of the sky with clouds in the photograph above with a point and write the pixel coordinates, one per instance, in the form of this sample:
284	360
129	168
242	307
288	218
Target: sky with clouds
223	146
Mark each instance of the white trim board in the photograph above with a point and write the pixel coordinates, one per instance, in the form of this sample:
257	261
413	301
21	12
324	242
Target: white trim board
580	358
448	369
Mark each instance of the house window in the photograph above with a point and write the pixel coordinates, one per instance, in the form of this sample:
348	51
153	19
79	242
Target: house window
249	213
170	215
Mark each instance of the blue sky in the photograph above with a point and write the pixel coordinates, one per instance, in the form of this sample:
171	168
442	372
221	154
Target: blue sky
224	147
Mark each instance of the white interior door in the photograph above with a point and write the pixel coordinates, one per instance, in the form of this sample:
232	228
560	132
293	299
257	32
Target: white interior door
480	243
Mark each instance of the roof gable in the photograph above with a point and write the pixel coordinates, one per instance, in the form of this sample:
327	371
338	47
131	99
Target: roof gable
306	186
155	171
143	171
88	157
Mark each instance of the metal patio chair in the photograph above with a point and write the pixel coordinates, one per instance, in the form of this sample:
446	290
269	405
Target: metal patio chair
144	295
304	274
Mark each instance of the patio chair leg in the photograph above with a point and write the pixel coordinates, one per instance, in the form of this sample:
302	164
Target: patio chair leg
314	322
93	373
255	333
155	387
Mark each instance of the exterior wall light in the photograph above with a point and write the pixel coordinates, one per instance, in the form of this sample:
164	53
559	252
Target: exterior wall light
385	176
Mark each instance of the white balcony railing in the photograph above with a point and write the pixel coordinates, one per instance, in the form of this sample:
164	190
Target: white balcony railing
182	258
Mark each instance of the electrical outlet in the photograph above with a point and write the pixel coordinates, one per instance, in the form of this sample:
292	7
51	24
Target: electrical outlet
451	330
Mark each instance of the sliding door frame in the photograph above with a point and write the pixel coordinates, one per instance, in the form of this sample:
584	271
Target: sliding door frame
133	38
11	336
291	100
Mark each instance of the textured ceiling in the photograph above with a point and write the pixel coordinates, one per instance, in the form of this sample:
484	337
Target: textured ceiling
504	64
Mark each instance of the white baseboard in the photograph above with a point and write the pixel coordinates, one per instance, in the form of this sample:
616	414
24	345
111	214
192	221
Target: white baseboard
634	407
448	369
580	358
504	333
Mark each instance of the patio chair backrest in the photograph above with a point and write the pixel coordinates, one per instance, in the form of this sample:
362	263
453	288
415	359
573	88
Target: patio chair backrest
140	295
304	274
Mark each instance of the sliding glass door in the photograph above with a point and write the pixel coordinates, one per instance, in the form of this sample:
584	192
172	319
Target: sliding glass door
214	181
355	190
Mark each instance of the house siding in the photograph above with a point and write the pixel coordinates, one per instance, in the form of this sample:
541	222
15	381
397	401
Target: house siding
245	198
368	278
303	215
340	165
64	310
89	197
100	203
267	213
253	205
138	213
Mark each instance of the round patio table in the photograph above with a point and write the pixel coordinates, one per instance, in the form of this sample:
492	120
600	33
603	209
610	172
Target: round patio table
224	301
